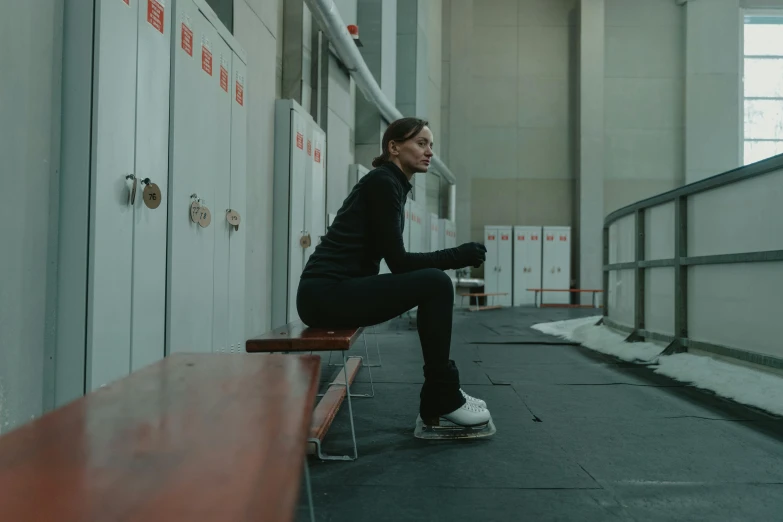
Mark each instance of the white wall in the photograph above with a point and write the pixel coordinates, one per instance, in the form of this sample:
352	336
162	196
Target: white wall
258	26
31	58
644	100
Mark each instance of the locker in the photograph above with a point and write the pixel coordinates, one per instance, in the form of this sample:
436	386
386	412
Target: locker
498	268
556	267
447	232
417	227
207	180
119	57
161	128
299	203
434	239
406	231
238	203
527	264
356	172
419	191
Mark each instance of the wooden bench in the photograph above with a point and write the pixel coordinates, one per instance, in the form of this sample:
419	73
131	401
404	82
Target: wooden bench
196	437
480	308
561	305
297	337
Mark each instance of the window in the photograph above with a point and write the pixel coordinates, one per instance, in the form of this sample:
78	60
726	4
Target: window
763	86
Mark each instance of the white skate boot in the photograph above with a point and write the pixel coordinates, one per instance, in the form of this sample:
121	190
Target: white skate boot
474	400
469	421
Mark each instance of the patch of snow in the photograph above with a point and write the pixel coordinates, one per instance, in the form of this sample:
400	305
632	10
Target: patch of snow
741	384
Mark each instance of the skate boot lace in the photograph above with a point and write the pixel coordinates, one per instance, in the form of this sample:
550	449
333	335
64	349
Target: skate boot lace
472	407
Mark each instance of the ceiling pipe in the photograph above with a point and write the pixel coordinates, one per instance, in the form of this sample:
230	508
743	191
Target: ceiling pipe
326	14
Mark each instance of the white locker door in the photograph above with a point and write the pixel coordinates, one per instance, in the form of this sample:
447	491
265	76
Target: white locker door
237	238
315	208
557	262
434	233
505	267
406	231
148	335
111	217
191	251
492	262
417	230
527	264
221	181
296	219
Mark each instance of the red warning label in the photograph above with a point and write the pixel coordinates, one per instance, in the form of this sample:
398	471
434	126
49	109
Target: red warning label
490	238
223	78
187	39
550	238
206	57
504	237
155	14
127	2
520	238
318	155
563	238
533	238
309	148
300	140
240	90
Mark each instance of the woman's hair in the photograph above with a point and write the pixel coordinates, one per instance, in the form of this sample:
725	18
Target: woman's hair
399	131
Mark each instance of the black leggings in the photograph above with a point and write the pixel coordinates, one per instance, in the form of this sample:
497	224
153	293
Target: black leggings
367	301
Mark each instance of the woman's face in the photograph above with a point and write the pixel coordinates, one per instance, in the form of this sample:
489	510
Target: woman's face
413	155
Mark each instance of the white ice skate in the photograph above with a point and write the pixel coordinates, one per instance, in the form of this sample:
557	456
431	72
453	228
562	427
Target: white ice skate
469	421
474	400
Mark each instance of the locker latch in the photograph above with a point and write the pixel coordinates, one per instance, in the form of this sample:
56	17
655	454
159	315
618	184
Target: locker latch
305	240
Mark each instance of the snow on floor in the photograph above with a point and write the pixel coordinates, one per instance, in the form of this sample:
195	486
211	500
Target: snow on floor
739	383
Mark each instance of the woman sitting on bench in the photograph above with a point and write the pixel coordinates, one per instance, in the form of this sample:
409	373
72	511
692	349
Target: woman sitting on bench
341	285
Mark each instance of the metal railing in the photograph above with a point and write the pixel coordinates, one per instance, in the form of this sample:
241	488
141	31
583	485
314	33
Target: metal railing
681	262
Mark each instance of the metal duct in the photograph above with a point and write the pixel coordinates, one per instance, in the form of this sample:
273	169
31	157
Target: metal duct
327	16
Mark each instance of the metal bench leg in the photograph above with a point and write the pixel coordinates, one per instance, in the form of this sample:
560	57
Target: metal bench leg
377	349
317	442
309	490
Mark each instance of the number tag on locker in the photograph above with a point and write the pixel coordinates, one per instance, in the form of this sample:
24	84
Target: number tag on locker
232	216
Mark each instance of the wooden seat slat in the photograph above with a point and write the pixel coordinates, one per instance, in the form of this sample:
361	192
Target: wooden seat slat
197	437
298	337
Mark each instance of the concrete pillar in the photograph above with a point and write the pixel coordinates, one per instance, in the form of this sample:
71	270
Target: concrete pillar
590	182
297	81
377	21
713	108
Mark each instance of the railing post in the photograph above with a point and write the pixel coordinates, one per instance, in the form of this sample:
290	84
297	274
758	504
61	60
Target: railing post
605	299
639	276
680	276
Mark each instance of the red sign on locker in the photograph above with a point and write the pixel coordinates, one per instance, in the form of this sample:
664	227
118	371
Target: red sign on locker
520	238
318	155
309	148
240	89
504	237
155	14
223	74
187	39
490	238
127	2
550	238
534	238
300	140
206	56
563	238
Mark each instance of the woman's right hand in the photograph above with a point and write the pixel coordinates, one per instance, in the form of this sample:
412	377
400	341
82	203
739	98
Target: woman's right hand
472	254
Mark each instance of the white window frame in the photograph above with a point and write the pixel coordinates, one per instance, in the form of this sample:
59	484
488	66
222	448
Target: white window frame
777	13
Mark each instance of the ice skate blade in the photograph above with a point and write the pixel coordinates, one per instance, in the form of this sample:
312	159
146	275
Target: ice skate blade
449	431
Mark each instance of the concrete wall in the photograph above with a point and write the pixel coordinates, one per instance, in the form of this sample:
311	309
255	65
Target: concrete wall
644	100
508	112
31	55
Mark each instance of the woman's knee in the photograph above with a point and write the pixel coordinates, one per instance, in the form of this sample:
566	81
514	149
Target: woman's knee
439	282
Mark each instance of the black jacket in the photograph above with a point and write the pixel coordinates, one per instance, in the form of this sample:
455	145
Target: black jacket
369	228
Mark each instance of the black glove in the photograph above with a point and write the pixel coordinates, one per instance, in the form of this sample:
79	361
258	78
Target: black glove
471	254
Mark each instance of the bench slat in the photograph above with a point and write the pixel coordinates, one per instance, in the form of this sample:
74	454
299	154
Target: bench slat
197	437
330	403
297	337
